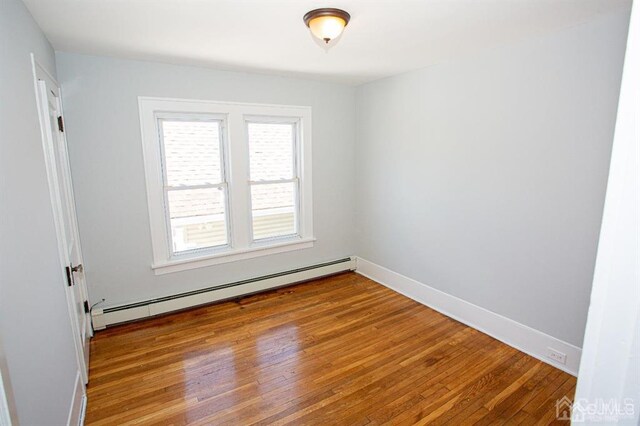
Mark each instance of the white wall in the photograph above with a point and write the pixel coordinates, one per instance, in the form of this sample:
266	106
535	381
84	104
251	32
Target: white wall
100	100
485	177
34	322
611	358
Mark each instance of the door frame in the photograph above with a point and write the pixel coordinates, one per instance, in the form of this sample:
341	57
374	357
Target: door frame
41	74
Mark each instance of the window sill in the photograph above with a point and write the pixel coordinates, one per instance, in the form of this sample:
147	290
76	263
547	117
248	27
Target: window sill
230	256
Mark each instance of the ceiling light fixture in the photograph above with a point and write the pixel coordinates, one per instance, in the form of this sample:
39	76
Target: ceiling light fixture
327	23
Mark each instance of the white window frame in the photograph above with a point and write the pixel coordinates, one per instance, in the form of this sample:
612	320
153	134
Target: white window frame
235	153
296	123
224	183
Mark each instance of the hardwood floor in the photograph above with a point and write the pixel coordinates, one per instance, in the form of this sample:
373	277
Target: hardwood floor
341	350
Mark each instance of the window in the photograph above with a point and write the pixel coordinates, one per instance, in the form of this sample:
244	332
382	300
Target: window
274	180
225	181
194	182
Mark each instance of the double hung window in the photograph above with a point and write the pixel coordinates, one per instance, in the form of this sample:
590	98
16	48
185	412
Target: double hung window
225	181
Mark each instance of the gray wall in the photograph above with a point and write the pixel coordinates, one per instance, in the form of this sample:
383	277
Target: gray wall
485	177
101	107
34	322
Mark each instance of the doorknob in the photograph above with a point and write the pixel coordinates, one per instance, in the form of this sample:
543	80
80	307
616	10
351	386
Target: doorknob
77	268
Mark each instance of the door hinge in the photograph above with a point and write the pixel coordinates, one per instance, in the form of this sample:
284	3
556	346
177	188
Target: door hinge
87	309
69	276
60	123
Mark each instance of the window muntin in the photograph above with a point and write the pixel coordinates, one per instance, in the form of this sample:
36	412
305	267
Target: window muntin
195	187
274	182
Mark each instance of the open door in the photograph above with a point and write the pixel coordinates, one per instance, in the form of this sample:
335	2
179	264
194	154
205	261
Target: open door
61	188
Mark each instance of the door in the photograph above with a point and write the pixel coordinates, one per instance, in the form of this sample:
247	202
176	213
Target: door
60	185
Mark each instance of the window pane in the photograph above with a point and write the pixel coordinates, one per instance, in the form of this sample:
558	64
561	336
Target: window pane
192	152
271	151
198	218
274	212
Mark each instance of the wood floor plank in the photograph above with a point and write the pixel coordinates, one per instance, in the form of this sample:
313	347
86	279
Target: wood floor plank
340	350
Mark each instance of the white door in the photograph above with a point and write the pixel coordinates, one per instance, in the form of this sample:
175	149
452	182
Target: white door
59	174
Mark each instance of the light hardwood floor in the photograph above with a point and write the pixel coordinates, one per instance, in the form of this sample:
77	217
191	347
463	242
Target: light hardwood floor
341	350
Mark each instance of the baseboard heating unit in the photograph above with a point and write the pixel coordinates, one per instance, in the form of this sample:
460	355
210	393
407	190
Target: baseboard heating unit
104	317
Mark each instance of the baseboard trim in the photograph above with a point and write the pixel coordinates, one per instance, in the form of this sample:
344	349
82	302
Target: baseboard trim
514	334
104	317
83	413
78	402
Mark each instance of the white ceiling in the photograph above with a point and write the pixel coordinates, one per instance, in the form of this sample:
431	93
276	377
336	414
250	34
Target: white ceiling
384	37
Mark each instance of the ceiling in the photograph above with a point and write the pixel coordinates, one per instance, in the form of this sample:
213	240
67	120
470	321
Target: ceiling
384	37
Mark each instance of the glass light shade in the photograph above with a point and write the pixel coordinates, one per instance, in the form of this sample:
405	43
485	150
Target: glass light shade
327	28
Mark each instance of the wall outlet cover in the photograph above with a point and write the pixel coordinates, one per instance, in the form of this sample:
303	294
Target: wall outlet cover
556	355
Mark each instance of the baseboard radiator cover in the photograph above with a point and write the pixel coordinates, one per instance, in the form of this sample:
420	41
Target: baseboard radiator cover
104	317
519	336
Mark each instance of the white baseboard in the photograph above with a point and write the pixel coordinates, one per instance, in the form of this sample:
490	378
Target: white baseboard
83	413
519	336
7	415
78	403
113	315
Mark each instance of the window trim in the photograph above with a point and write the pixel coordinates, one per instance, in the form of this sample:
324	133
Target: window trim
235	153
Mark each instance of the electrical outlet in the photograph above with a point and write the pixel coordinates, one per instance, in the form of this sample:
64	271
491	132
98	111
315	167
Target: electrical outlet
557	356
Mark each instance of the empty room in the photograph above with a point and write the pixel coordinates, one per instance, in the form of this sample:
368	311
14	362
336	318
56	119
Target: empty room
357	212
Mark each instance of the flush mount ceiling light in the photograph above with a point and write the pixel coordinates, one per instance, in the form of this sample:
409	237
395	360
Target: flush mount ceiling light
327	23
